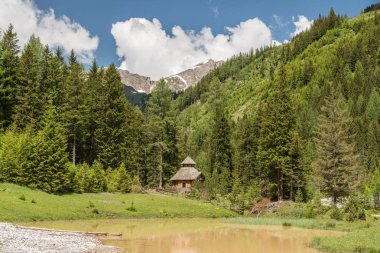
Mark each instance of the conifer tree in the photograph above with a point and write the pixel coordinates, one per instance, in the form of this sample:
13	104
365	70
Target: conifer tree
96	178
220	149
93	89
54	80
30	102
245	149
162	159
336	162
116	135
8	75
296	173
124	180
14	149
276	125
46	164
73	108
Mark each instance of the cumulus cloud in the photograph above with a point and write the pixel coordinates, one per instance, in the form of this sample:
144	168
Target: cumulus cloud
147	49
302	24
55	31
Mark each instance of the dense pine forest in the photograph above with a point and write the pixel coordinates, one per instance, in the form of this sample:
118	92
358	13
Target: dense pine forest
297	122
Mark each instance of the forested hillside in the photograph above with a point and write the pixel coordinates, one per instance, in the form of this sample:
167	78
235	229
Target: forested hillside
282	122
293	119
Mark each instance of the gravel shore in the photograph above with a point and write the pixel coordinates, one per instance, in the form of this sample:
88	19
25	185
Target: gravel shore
14	239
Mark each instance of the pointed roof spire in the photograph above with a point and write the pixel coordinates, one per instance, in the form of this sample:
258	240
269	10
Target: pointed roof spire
188	161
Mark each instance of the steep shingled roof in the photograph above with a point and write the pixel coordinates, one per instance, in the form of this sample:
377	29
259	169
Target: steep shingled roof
186	173
189	161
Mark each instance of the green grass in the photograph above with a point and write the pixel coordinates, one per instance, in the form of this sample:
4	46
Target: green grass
327	224
361	236
362	240
96	206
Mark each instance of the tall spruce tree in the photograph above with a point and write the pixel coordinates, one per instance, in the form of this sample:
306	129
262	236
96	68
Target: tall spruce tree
336	163
276	125
162	159
8	75
54	77
46	165
220	150
93	91
30	96
73	108
116	135
245	141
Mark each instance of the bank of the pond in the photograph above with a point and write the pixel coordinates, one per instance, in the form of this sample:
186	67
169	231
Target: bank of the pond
19	239
361	236
23	204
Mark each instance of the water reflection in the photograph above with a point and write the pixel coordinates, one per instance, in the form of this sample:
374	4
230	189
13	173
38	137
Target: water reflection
195	236
228	240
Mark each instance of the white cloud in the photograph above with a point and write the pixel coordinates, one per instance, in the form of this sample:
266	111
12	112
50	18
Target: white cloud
147	49
27	19
302	24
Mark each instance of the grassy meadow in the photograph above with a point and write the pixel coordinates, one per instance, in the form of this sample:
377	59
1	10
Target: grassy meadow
23	204
360	236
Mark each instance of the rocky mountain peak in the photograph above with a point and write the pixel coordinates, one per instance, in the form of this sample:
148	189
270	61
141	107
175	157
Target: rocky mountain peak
177	82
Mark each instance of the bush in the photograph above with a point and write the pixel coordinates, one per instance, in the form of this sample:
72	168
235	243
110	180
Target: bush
299	196
354	209
22	197
336	214
311	210
95	211
90	204
314	208
330	224
136	185
33	201
132	208
286	224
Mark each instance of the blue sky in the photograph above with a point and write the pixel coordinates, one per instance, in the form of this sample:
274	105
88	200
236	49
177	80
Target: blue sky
97	16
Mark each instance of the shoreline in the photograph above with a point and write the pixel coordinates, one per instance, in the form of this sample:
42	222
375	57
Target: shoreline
18	239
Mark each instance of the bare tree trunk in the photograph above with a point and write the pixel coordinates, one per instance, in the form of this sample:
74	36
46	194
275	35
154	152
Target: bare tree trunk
335	199
74	149
291	192
160	168
280	190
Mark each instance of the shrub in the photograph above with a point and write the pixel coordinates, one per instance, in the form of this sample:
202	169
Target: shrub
88	179
336	214
95	211
299	196
354	209
22	197
330	224
136	185
164	213
90	204
286	224
310	210
33	201
314	208
132	208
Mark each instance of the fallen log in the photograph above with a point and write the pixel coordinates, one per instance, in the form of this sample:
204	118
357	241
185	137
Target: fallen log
69	231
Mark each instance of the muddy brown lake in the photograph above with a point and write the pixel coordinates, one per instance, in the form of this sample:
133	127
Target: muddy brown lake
194	236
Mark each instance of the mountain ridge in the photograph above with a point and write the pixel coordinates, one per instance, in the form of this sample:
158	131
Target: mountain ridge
177	82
